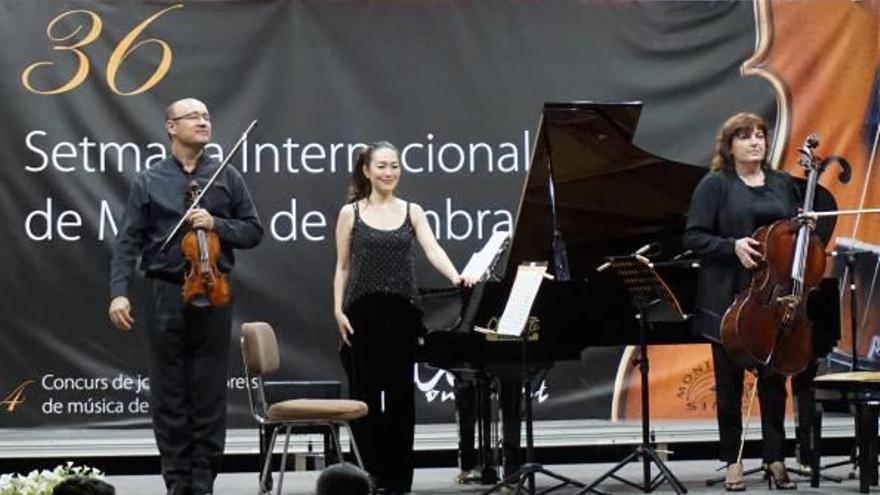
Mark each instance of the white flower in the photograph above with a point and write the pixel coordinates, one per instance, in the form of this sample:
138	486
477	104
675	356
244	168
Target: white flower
43	482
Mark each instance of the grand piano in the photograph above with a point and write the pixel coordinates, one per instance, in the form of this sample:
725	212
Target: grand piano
590	193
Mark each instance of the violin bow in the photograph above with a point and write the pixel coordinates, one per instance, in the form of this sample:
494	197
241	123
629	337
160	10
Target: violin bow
195	203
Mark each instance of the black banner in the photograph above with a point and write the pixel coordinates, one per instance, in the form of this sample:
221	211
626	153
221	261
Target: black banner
456	85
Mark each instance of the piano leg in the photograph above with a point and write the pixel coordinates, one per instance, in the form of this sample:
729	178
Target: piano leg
485	417
474	405
510	397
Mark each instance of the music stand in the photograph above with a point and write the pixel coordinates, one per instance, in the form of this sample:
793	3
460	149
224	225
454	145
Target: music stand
655	303
524	478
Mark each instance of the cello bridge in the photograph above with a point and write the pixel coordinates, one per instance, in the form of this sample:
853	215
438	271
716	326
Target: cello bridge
790	301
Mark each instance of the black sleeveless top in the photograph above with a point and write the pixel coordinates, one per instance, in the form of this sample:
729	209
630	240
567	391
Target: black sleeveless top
381	260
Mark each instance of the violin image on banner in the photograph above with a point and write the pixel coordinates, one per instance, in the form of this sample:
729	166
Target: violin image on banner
819	58
767	324
204	285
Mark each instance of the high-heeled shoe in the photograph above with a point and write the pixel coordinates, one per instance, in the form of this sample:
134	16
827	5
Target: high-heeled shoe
465	476
734	479
777	477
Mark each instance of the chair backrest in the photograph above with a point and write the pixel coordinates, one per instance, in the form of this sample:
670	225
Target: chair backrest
259	348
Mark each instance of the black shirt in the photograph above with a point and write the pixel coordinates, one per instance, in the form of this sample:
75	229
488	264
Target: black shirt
767	207
724	209
158	200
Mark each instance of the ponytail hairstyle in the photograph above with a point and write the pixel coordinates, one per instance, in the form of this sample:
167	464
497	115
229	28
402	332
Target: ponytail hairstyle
740	125
360	187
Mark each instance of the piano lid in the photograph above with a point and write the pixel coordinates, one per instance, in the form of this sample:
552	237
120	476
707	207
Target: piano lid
611	196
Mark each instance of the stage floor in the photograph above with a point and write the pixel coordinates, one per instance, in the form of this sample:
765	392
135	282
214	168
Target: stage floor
131	457
438	481
36	443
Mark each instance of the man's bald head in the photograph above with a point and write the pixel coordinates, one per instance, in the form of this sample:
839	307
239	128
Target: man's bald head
175	109
187	122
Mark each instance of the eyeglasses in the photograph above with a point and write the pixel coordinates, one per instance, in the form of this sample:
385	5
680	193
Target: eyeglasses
193	116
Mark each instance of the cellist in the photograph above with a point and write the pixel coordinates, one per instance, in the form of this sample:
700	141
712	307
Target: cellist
189	345
739	194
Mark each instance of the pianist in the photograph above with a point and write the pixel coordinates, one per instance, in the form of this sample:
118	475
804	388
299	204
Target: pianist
738	195
375	304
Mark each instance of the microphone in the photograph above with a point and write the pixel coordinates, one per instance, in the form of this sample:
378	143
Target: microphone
682	255
638	254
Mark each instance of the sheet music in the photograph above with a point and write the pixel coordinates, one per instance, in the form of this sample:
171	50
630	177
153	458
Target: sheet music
481	261
522	296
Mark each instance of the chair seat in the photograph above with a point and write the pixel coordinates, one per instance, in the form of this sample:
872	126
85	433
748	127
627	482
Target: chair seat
317	409
860	376
864	380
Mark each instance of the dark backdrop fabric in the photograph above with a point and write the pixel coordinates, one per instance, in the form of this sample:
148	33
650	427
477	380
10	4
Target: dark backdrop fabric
457	84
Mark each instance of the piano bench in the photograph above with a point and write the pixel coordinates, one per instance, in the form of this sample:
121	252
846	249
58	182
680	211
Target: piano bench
861	390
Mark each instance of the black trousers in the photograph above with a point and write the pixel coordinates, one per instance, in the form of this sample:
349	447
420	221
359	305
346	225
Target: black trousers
510	399
381	374
190	350
729	390
466	391
805	405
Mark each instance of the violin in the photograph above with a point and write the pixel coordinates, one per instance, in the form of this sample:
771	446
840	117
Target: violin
767	324
204	285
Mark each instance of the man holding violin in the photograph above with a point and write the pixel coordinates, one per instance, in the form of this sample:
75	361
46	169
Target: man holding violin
189	342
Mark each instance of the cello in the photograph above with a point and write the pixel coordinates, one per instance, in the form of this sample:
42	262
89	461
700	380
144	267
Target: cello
767	324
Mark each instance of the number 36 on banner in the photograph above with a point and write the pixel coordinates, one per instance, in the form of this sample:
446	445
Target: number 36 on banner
127	45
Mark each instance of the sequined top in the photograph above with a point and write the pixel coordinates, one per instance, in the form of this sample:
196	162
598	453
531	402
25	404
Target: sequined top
381	260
